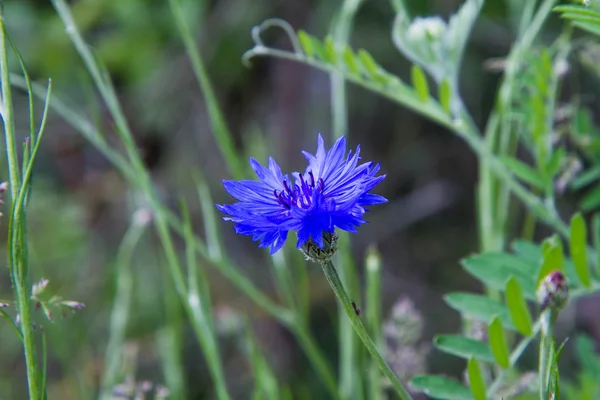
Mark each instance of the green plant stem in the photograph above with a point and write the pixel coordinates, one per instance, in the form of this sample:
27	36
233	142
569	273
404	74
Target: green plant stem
18	264
121	306
336	284
315	356
349	355
546	354
373	317
217	121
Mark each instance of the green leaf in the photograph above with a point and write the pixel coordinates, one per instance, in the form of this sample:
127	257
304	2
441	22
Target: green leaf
368	63
585	178
311	46
591	200
524	172
306	41
419	81
476	381
533	253
517	306
578	249
330	52
445	95
555	162
350	60
479	307
441	388
498	343
553	258
577	10
554	373
596	236
495	269
464	347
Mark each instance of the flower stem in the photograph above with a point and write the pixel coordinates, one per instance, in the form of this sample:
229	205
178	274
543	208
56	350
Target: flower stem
546	351
336	284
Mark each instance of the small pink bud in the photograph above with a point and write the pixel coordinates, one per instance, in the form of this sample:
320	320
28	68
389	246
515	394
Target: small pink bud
553	291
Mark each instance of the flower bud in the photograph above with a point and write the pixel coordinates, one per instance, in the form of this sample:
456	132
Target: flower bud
317	254
553	291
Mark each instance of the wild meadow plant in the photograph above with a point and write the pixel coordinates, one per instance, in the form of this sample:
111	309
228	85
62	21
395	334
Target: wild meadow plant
526	283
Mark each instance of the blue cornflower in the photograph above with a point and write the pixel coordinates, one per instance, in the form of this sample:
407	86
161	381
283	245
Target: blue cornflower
332	192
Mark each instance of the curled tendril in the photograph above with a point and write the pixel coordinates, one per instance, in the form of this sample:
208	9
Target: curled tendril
261	49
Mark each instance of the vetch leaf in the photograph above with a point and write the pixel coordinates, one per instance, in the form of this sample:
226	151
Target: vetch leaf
441	388
330	52
350	60
476	381
524	172
596	236
464	347
555	162
591	200
495	269
445	95
553	258
585	178
517	306
306	43
419	81
311	46
368	63
578	242
479	307
498	343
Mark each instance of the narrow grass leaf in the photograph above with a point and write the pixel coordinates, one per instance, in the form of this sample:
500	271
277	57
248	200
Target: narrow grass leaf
578	242
476	381
464	347
441	388
517	306
498	343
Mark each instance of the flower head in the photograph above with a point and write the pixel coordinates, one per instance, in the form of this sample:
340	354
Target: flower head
332	192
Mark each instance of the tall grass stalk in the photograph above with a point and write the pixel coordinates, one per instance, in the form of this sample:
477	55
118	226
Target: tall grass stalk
350	361
19	190
121	305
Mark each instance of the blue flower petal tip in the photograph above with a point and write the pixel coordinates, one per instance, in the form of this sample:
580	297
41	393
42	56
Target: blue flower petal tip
332	193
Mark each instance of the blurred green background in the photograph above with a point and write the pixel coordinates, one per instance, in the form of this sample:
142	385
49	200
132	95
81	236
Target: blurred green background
81	207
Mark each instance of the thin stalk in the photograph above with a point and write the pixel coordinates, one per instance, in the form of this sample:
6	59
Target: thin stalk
350	382
218	124
373	317
121	306
336	284
17	248
317	359
546	351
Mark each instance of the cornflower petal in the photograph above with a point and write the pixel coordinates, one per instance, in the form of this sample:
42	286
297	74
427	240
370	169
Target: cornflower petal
332	193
